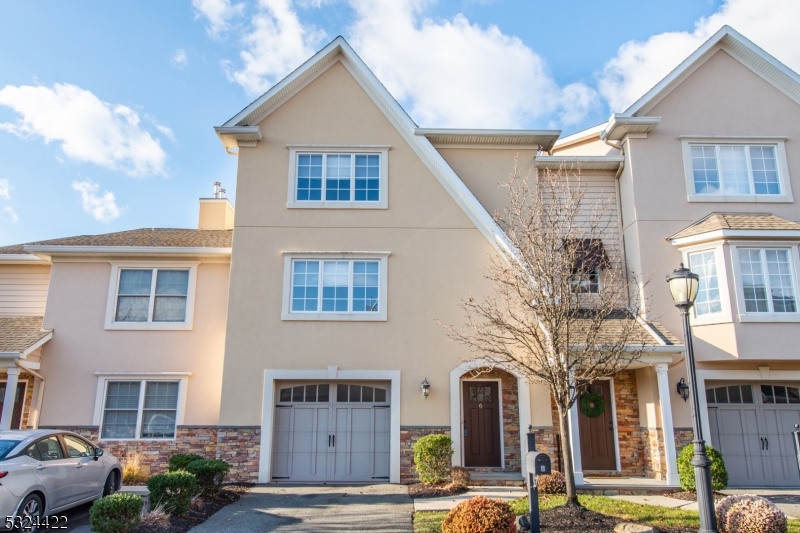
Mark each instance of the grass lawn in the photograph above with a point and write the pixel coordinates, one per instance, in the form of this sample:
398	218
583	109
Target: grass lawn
633	512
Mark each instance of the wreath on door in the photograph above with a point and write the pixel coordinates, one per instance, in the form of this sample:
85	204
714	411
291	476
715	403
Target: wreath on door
592	405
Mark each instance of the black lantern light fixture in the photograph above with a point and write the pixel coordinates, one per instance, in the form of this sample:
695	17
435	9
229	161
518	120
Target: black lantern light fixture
426	388
683	389
683	284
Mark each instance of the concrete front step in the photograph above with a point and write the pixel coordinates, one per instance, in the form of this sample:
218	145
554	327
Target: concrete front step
496	479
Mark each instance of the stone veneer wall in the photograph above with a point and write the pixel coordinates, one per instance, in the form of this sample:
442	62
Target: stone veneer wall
683	438
409	435
655	459
241	447
631	448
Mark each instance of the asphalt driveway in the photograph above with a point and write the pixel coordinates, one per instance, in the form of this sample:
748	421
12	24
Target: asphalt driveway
374	508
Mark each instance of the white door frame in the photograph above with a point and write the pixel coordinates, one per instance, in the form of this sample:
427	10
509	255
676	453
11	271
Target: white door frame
456	415
332	373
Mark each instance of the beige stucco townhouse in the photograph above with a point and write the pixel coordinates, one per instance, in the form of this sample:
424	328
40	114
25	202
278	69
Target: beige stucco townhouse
293	339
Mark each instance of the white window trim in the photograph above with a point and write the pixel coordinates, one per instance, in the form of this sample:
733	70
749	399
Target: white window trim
113	284
380	316
359	149
725	315
783	170
794	261
102	382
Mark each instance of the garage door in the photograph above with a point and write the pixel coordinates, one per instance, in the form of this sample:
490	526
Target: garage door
752	425
331	432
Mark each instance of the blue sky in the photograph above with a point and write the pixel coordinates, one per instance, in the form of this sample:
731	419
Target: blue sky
107	108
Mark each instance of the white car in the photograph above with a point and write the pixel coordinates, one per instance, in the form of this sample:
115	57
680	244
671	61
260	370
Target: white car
44	472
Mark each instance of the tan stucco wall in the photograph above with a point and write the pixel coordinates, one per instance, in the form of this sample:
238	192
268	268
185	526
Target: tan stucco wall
215	214
593	146
80	346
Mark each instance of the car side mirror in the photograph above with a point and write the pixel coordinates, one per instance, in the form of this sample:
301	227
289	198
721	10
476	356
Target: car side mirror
98	452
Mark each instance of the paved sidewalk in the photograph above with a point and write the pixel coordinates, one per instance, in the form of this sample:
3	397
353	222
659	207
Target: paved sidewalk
787	500
446	503
306	508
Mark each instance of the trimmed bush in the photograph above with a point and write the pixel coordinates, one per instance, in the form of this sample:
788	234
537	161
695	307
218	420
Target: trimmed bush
719	476
118	513
459	476
432	457
552	484
749	514
173	490
480	515
180	461
210	473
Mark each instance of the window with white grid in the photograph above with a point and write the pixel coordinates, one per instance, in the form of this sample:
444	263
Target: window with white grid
767	280
338	177
141	409
152	295
708	300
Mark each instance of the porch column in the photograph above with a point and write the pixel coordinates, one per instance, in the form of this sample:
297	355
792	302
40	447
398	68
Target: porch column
575	443
667	428
8	400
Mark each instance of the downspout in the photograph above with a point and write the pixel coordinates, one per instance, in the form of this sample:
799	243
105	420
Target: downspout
40	397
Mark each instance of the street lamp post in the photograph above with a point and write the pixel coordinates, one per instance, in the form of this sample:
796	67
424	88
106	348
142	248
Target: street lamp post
683	284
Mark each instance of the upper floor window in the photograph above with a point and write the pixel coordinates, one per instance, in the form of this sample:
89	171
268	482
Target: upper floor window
586	282
708	300
767	281
736	172
338	177
157	298
335	288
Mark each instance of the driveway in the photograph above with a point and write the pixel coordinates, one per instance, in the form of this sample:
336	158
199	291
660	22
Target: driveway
374	508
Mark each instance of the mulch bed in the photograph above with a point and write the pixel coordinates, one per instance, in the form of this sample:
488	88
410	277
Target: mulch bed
198	513
576	519
690	496
421	490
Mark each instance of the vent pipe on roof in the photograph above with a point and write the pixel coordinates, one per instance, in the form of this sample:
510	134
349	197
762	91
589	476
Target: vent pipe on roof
219	192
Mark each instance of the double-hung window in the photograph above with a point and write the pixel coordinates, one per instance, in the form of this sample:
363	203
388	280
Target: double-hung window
767	281
338	179
736	171
709	300
335	288
150	298
586	282
140	409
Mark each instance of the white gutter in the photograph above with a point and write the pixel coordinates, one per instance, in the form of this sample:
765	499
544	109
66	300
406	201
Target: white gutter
22	258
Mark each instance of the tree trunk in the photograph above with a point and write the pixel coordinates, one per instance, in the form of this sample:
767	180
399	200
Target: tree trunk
566	452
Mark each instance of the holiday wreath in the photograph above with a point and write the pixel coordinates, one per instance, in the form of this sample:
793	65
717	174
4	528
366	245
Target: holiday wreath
592	405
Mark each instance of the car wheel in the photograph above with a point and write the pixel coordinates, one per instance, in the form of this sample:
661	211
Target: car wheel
111	483
30	512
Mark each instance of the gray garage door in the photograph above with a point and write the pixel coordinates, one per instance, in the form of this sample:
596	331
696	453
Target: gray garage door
331	432
752	425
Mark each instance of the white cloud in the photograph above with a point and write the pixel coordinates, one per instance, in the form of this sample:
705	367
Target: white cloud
102	208
638	66
218	13
166	131
88	128
5	189
179	60
10	215
455	73
276	44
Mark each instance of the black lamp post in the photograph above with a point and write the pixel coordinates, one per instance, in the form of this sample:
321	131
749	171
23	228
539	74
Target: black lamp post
683	285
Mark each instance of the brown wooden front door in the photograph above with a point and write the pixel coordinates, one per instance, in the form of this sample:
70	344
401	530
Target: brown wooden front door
16	416
481	423
597	434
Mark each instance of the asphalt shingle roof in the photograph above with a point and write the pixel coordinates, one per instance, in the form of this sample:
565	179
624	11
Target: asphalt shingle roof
744	221
615	324
17	334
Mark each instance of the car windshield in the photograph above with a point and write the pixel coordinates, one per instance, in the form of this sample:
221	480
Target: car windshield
6	446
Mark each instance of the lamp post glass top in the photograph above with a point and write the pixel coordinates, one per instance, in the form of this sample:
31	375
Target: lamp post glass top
683	284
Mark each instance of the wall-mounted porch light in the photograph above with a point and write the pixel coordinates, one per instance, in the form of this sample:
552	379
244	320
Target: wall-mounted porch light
426	388
683	389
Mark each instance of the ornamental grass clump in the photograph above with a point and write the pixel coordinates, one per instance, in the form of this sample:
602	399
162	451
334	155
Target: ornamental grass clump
552	483
118	513
432	458
719	476
749	514
480	515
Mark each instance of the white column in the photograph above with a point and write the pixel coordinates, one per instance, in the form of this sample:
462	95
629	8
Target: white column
662	375
575	438
8	400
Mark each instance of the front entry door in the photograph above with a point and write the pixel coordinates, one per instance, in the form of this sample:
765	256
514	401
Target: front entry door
597	434
481	424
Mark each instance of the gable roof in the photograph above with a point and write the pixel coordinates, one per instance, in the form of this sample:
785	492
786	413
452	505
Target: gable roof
244	127
740	225
739	47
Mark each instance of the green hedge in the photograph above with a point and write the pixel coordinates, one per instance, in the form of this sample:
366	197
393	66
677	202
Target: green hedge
173	490
118	513
180	461
210	473
432	457
719	476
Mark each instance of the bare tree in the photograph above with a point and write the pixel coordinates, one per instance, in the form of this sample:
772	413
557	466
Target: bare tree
550	316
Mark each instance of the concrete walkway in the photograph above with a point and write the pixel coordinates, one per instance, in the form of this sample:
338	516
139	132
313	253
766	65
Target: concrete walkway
306	508
787	500
446	503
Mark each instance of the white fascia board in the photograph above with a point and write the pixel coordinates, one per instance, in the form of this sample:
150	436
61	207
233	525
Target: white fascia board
126	250
542	139
588	162
35	346
580	136
736	234
620	125
24	259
